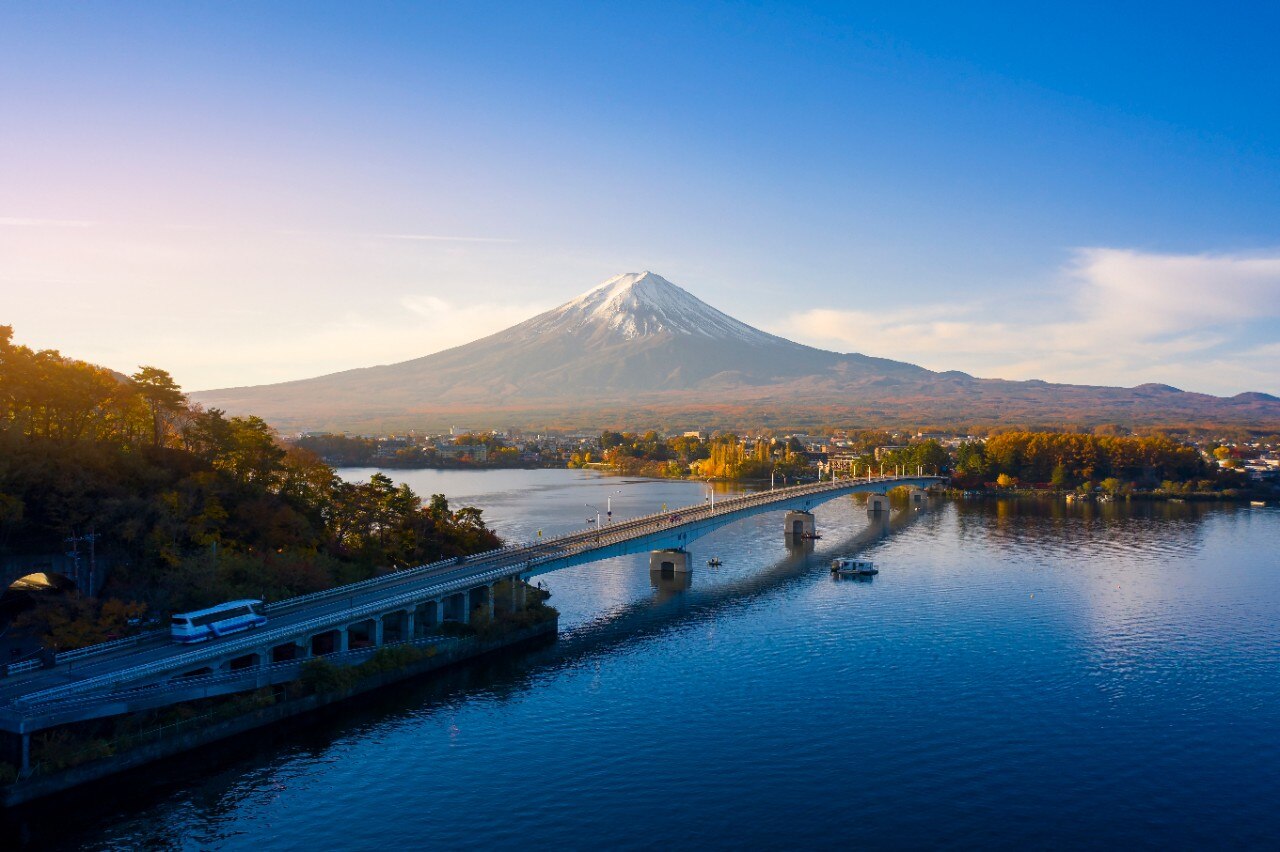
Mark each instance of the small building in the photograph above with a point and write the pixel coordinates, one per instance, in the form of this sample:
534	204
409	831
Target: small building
477	452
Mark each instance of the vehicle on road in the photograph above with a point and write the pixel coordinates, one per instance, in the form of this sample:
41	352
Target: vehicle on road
203	624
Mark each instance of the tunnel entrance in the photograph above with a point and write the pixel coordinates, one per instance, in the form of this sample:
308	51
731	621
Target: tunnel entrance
23	595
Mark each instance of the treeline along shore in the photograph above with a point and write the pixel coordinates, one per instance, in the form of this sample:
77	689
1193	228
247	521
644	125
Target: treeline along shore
1077	462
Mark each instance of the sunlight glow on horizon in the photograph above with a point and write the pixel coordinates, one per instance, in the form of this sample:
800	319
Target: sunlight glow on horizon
219	192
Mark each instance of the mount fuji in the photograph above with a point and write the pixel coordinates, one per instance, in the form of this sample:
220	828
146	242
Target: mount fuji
640	352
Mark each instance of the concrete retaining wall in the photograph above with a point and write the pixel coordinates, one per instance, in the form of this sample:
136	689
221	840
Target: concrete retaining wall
45	785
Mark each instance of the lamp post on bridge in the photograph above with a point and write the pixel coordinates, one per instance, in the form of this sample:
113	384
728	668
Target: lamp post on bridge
595	509
609	507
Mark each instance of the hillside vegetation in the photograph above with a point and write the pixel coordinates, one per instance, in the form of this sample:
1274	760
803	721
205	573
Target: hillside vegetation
191	506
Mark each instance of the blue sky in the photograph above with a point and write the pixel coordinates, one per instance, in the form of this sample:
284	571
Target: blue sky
252	192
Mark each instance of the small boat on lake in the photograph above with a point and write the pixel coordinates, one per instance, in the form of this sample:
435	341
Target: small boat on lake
811	536
714	561
848	566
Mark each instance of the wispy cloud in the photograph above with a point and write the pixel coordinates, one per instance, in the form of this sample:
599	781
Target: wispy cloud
456	323
425	324
22	222
443	238
1113	316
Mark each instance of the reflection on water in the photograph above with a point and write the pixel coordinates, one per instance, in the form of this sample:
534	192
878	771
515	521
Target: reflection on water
669	582
1018	674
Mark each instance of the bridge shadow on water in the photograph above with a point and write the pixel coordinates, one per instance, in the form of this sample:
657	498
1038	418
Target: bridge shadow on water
680	602
215	779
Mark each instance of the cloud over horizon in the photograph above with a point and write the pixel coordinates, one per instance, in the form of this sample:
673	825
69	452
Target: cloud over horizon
1202	322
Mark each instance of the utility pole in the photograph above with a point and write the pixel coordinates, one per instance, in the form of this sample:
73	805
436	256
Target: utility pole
93	559
74	555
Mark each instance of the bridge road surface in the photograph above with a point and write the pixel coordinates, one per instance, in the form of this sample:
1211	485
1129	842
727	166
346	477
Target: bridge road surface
521	559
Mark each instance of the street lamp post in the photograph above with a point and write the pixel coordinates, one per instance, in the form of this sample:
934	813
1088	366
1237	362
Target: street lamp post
609	505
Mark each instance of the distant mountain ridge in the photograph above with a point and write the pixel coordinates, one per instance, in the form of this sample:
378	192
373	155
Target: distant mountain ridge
640	351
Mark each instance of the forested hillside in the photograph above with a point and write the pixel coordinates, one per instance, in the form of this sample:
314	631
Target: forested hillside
193	506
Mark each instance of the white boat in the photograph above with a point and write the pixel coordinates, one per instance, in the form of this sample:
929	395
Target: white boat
851	567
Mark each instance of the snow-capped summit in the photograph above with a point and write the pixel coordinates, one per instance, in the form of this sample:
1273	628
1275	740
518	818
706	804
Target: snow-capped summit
644	304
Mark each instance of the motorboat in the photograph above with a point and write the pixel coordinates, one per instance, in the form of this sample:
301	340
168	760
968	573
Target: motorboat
849	566
714	561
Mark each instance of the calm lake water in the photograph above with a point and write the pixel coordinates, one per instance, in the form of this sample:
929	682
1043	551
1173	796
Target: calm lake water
1018	675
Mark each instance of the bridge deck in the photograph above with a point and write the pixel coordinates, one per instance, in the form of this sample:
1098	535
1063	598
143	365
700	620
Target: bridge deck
106	668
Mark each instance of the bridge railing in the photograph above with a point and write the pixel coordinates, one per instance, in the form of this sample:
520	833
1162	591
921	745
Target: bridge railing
217	678
110	645
554	549
347	589
590	538
261	637
24	666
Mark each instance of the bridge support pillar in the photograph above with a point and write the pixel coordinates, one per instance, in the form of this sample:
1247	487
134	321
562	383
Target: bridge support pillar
427	616
344	640
15	749
489	597
466	608
378	632
673	559
877	503
917	496
799	525
410	622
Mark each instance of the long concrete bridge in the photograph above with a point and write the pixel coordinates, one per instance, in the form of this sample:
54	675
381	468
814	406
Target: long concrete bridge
349	622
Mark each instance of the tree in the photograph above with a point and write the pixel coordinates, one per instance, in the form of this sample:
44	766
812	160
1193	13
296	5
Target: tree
162	394
1059	477
1004	480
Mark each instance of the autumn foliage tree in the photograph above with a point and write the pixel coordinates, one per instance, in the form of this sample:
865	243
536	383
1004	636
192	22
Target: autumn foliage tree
1067	459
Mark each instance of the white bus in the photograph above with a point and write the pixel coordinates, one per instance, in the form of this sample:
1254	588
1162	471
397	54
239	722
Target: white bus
203	624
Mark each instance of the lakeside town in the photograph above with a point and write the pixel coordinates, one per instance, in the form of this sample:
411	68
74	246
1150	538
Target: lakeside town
1159	462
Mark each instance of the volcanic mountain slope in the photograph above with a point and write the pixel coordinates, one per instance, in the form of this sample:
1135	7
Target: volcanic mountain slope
640	351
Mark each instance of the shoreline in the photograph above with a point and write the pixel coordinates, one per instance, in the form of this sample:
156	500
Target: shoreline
41	787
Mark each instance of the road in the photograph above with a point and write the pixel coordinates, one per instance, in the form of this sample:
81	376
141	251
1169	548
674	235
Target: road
108	666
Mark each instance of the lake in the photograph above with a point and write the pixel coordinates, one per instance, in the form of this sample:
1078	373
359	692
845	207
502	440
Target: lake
1020	674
